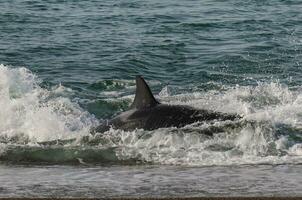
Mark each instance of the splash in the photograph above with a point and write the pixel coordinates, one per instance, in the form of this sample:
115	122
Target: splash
31	114
45	125
269	133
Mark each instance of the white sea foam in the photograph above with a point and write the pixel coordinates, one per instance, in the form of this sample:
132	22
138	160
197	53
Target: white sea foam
35	113
271	135
267	106
296	150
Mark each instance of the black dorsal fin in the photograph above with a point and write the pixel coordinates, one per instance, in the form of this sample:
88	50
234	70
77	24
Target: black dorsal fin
143	96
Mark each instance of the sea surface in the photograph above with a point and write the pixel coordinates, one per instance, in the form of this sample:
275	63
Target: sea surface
65	65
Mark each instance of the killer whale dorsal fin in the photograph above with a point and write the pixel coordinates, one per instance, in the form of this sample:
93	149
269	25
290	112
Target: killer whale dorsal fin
143	96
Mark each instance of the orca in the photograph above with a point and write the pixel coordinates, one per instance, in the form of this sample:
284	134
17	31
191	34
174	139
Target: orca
149	114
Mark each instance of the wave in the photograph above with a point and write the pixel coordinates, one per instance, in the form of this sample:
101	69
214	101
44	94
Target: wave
36	113
41	125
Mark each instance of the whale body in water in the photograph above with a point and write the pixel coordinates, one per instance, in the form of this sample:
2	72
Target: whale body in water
149	114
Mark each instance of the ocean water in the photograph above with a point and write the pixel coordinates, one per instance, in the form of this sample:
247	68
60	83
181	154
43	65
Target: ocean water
67	64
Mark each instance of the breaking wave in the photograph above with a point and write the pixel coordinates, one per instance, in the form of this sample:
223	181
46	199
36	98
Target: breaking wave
47	126
31	114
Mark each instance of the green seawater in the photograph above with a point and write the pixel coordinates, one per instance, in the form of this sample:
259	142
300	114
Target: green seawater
65	65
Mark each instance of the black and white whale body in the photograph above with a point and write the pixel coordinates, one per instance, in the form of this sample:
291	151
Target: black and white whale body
148	114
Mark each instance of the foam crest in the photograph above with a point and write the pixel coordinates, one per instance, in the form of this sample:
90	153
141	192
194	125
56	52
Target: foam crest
265	102
177	147
34	114
270	131
267	134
